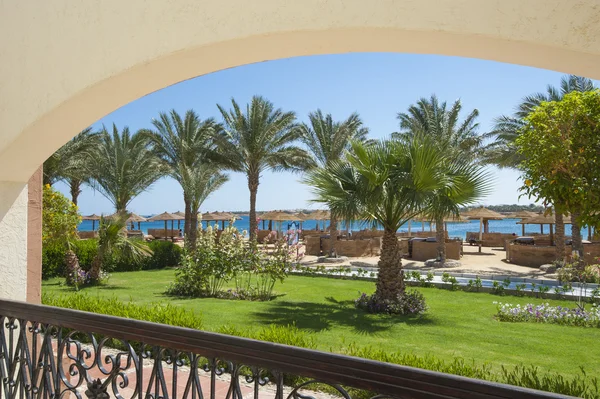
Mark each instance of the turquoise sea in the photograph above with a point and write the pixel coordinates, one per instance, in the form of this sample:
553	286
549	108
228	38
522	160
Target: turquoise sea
454	229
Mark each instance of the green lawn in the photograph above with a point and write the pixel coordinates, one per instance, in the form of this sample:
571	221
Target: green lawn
456	324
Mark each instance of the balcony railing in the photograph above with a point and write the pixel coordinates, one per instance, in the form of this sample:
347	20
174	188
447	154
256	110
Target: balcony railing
48	352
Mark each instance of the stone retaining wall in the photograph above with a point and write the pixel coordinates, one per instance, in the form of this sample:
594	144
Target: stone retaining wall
84	235
350	248
530	255
535	255
422	251
491	239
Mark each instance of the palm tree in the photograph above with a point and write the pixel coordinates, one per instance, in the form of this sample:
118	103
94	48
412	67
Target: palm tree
388	183
461	143
435	119
261	138
185	146
199	183
464	184
503	153
123	166
69	162
328	140
112	238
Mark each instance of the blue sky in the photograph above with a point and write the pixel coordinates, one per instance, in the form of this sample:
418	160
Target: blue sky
375	85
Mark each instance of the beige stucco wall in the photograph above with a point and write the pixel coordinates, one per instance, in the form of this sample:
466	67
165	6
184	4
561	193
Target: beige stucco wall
65	64
13	240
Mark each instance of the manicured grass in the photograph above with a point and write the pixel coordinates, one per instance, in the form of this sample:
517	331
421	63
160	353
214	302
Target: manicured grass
456	324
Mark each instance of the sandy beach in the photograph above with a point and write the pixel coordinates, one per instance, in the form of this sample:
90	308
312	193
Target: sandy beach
489	262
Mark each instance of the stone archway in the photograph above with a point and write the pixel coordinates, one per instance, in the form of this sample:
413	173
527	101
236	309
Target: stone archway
65	64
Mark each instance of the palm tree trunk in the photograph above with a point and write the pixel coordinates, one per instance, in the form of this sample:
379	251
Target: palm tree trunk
332	237
72	263
390	280
253	187
121	206
440	238
576	233
95	268
188	217
193	231
75	186
560	236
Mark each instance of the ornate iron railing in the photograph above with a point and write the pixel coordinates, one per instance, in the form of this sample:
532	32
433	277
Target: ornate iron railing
48	352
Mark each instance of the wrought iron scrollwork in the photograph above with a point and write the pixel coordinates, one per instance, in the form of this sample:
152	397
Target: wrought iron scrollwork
40	360
46	361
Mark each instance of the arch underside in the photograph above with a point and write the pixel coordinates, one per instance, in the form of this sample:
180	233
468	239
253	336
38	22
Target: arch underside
61	83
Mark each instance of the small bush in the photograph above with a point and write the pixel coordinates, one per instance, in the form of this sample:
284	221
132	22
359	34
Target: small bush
163	313
577	272
53	261
53	257
219	259
164	254
411	303
85	250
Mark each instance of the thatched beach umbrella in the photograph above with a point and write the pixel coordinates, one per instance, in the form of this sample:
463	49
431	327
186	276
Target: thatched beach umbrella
93	217
540	219
431	221
218	217
302	217
422	218
484	215
277	216
521	215
166	216
182	214
319	215
454	219
133	218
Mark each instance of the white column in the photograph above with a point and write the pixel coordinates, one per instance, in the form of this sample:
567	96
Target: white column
13	240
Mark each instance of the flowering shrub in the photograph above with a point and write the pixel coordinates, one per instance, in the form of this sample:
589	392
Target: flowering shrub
220	259
545	313
263	268
579	272
59	218
411	303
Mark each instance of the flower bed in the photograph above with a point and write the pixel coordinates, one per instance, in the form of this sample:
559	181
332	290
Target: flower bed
545	313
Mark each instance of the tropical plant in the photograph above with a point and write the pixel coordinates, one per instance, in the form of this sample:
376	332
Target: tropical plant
258	139
432	118
560	144
59	229
502	150
68	163
113	241
463	184
123	166
200	182
185	147
388	183
328	141
466	181
60	219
